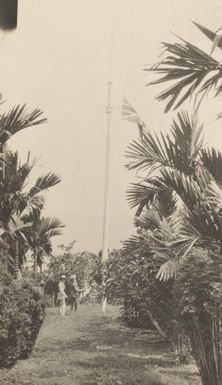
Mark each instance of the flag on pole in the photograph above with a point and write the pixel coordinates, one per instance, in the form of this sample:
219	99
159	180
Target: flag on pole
130	114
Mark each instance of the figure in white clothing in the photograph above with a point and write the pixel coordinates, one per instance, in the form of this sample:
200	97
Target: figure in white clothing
62	296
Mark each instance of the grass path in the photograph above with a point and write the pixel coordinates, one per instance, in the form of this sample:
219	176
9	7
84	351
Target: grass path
88	348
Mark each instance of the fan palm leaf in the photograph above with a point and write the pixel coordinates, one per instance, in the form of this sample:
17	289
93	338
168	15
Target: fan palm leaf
135	242
171	268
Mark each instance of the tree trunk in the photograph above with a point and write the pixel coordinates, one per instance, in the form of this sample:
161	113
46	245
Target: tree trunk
35	267
40	266
16	263
53	299
157	326
205	336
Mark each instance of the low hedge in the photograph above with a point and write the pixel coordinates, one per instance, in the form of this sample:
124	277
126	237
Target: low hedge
22	312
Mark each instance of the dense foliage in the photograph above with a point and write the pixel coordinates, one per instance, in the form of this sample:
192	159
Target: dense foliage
186	244
198	295
22	230
22	311
130	277
69	262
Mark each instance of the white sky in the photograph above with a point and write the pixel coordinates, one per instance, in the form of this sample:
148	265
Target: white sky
58	60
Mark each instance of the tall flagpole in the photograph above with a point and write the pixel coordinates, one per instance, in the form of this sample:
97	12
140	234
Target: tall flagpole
109	111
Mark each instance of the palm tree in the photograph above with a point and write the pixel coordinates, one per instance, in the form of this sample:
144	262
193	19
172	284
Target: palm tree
19	207
11	123
182	165
39	239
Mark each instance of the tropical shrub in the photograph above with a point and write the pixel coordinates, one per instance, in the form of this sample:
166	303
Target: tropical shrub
182	164
130	277
198	295
22	312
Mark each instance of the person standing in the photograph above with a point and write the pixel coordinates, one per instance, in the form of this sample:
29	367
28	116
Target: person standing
42	288
62	296
74	290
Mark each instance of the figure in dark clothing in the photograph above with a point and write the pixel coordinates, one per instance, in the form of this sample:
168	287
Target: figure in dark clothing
74	290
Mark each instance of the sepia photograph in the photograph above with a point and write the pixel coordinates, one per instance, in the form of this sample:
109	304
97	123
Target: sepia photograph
110	192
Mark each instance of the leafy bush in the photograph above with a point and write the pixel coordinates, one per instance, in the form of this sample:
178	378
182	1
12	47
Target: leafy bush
67	262
21	316
131	278
199	309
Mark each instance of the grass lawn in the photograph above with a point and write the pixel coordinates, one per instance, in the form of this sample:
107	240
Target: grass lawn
89	348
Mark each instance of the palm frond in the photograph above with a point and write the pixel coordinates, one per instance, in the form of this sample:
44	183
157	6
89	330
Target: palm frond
183	185
149	220
208	33
48	248
166	202
16	120
49	227
191	68
201	215
32	207
141	195
134	242
16	225
45	182
212	162
171	245
171	268
214	195
16	173
148	153
151	193
179	149
168	270
39	238
188	141
205	220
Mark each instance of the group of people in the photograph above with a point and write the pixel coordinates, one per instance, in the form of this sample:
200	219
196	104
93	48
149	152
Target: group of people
74	290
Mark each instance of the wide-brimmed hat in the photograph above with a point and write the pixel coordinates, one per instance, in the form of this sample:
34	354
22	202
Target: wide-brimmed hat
63	277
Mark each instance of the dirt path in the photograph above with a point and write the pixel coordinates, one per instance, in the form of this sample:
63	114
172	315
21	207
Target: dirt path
88	348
